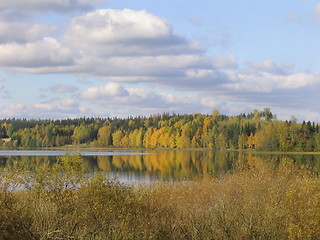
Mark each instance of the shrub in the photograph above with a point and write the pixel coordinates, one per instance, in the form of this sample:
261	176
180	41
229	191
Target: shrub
256	201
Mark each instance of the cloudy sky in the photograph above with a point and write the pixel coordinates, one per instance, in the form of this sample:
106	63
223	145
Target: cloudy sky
105	58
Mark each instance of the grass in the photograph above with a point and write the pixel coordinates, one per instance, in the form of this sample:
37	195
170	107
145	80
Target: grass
255	201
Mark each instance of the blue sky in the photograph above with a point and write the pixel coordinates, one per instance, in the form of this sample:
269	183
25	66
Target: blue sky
72	58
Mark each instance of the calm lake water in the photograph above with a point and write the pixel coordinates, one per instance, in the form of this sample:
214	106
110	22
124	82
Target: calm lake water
151	166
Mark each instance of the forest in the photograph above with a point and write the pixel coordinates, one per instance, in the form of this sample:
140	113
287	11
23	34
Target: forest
259	130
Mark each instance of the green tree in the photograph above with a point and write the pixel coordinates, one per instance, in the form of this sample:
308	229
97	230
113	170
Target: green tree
267	114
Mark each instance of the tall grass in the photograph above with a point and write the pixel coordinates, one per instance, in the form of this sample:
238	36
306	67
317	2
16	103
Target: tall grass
256	201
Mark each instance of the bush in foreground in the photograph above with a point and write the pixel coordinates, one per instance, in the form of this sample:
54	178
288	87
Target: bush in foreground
256	201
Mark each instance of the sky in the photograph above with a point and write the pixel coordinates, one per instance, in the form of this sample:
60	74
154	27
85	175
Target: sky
118	58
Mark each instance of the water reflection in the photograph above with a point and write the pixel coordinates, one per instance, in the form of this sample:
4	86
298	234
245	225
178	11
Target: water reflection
28	162
165	165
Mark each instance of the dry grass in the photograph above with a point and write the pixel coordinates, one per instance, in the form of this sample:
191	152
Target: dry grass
256	201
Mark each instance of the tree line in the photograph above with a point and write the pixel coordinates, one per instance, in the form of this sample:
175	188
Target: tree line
258	130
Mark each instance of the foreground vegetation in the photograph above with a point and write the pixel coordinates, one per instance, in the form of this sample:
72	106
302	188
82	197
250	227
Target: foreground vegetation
256	201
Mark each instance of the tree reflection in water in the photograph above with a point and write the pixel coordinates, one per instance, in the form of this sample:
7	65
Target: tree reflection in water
166	165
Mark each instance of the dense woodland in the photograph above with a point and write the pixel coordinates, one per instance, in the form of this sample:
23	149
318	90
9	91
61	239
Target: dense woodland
257	130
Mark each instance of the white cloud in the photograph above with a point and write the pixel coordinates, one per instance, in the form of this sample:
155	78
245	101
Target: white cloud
111	43
300	80
111	26
145	101
48	5
69	104
265	77
217	74
45	52
109	32
15	29
266	82
108	90
164	70
150	51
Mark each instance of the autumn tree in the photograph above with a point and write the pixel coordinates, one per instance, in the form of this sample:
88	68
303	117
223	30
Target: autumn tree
256	115
104	136
116	138
251	142
266	138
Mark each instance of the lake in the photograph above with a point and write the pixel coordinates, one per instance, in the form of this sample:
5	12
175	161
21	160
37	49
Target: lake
150	166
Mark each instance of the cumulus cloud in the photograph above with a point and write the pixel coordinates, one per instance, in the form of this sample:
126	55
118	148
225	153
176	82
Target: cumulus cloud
264	77
110	43
266	82
68	102
70	105
149	68
45	52
49	5
299	80
22	30
144	101
108	90
120	45
110	32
